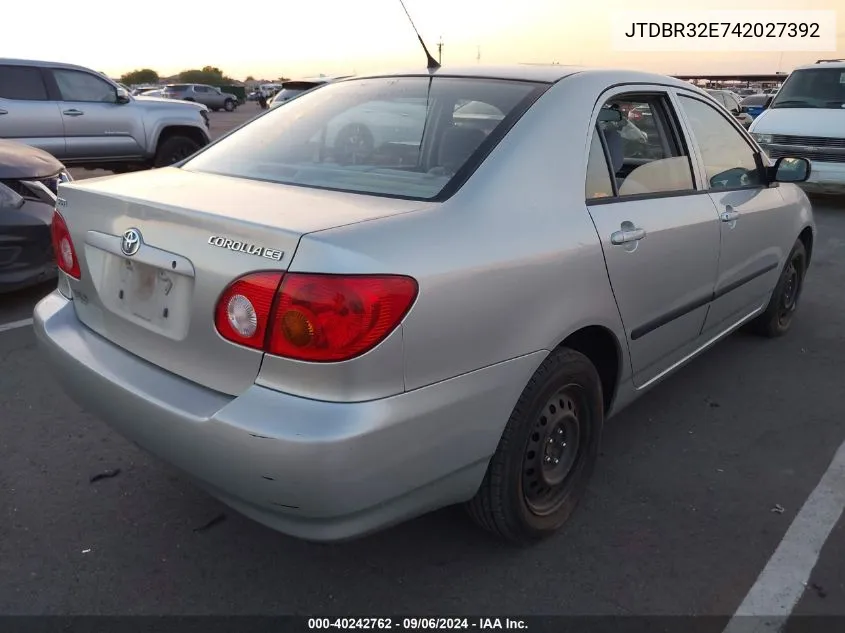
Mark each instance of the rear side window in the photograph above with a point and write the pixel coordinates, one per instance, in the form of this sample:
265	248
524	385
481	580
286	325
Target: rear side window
392	136
23	83
645	153
598	174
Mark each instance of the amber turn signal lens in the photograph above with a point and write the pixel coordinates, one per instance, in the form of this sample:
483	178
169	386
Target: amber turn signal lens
297	328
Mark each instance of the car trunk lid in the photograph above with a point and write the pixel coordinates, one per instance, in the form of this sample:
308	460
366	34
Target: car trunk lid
158	248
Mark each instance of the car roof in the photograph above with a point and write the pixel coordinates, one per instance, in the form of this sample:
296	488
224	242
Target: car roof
45	64
541	73
838	64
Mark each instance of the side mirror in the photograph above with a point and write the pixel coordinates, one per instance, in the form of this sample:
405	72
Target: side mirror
768	102
122	96
790	169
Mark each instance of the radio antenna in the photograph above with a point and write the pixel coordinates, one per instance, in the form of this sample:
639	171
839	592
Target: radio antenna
432	64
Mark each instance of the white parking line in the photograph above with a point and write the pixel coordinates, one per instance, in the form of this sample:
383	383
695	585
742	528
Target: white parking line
781	584
14	325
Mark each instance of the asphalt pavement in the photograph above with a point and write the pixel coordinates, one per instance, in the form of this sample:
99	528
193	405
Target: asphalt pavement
698	483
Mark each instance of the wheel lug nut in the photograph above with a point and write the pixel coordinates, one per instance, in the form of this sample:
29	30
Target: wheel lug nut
560	431
551	441
548	459
556	460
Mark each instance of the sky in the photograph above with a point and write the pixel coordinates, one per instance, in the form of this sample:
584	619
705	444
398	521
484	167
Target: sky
270	39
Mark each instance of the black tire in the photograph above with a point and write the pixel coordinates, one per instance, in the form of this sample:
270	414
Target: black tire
526	495
777	318
174	149
215	109
229	105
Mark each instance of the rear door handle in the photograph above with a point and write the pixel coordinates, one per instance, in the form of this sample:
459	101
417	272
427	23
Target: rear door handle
73	112
729	216
627	236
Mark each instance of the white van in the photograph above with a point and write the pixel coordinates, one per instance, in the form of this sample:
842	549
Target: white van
807	118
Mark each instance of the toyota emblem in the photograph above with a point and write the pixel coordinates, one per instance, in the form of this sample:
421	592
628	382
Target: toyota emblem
131	242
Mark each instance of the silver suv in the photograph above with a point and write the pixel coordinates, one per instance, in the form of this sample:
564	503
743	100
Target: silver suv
85	119
210	96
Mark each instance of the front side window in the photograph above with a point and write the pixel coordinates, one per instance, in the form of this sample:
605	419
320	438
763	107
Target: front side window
395	136
729	161
22	83
75	85
646	157
812	88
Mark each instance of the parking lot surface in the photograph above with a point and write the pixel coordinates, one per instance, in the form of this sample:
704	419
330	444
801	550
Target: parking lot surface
697	486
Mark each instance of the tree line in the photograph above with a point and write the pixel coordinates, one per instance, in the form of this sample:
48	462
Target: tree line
210	75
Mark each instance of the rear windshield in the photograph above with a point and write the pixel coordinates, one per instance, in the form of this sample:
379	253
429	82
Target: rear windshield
755	100
405	137
812	88
178	87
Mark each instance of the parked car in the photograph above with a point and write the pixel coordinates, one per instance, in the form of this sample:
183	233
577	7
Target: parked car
732	103
334	346
290	89
146	90
29	179
807	118
210	96
753	105
84	119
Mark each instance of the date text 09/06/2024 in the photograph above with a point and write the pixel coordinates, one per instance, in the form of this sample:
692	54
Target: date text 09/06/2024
417	624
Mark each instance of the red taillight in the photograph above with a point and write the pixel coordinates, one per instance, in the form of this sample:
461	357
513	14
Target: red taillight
243	311
63	247
315	317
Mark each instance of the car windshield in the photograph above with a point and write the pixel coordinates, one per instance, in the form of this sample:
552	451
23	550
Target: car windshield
391	136
812	88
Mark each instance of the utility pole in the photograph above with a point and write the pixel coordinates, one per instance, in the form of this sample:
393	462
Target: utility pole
440	50
478	56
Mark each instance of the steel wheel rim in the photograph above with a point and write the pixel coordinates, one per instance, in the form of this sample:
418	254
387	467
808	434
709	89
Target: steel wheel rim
791	290
554	450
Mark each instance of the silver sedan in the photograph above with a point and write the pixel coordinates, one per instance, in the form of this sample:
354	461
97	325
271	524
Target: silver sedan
336	337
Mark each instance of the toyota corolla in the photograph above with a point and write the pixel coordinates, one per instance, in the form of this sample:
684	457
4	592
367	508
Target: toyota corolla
333	338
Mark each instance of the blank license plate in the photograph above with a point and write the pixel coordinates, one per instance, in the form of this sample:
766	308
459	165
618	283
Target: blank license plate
146	291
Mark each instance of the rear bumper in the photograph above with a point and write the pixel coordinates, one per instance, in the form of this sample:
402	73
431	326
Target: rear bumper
26	251
315	470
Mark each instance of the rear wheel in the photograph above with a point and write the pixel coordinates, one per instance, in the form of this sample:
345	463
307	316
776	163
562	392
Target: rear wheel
174	149
547	453
777	318
229	105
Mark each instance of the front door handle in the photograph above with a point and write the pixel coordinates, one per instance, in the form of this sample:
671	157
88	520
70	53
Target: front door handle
627	236
73	112
2	111
729	216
